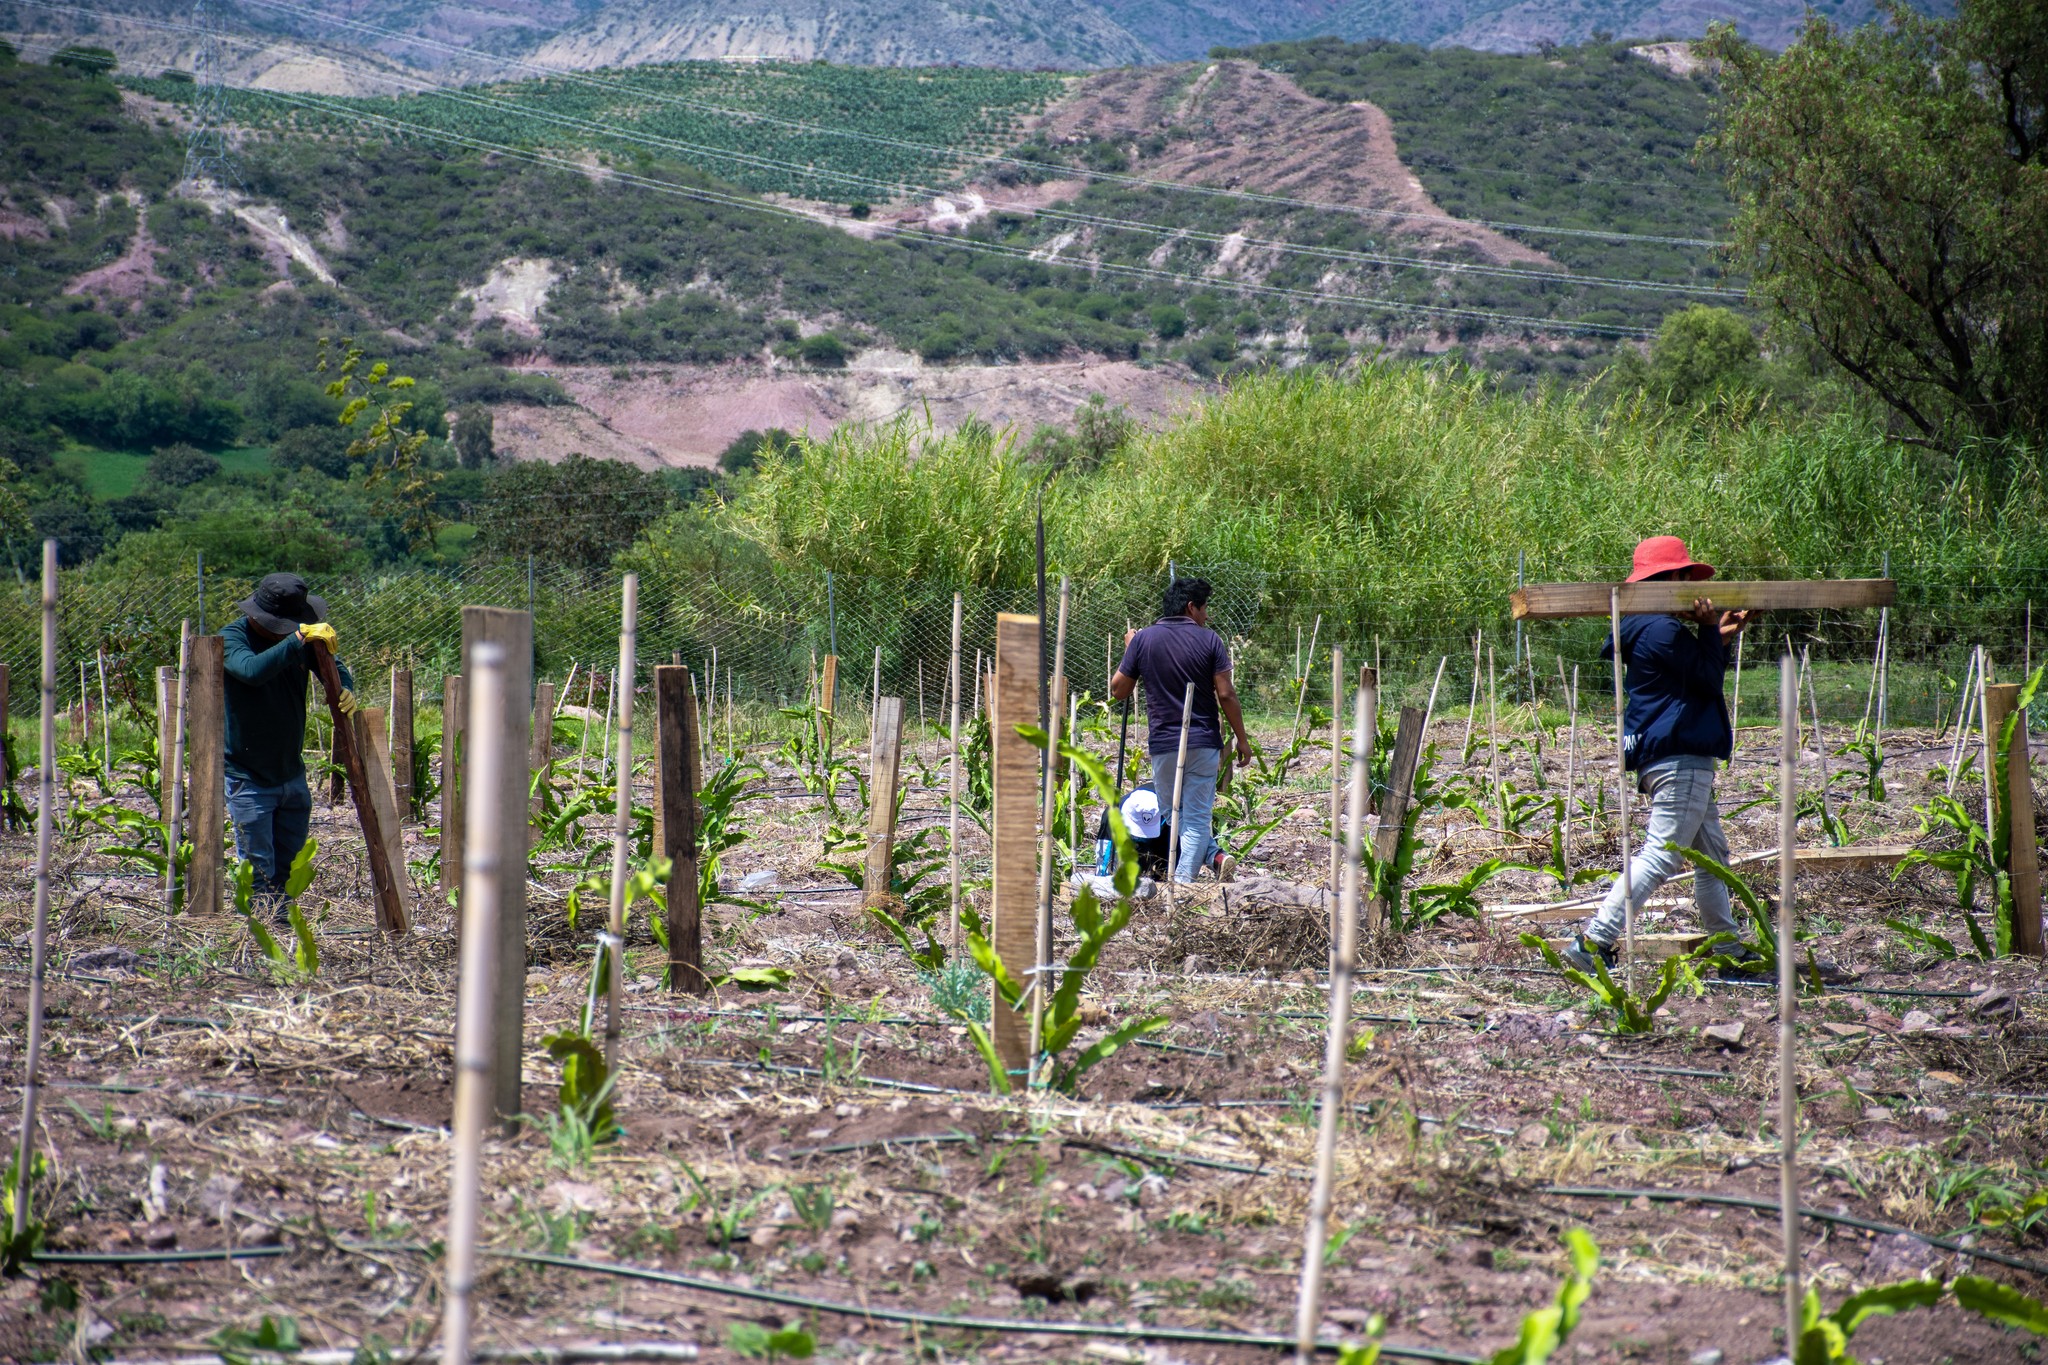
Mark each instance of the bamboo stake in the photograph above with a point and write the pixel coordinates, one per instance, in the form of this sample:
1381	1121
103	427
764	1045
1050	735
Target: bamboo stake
1471	707
710	730
1571	769
583	740
921	730
604	731
1180	777
1429	708
1884	677
1788	950
1990	742
953	777
622	823
106	725
1301	693
1074	782
1500	795
1336	780
1628	886
485	686
1308	1315
730	748
46	805
875	696
1820	746
1966	704
1735	712
175	826
977	682
1045	826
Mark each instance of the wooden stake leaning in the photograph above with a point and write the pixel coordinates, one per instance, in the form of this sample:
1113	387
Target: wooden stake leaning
1966	707
175	826
1301	693
1788	990
474	989
1309	1312
1471	707
46	806
622	823
953	785
1394	805
1628	884
387	872
1180	778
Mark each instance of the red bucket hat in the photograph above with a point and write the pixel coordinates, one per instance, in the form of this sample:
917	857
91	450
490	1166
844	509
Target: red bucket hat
1662	554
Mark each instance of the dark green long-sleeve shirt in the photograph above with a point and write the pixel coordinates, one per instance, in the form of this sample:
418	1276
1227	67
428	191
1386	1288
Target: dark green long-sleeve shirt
266	705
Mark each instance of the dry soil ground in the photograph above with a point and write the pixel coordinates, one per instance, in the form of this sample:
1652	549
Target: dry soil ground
842	1130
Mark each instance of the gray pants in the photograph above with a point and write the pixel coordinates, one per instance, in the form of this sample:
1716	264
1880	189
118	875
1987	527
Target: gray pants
1197	806
1682	812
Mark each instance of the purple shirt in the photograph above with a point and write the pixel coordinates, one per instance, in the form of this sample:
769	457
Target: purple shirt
1166	656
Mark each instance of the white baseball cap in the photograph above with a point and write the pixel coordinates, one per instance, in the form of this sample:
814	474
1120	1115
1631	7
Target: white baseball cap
1141	813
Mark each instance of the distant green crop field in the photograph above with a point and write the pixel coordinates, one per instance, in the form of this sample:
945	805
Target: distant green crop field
731	121
118	473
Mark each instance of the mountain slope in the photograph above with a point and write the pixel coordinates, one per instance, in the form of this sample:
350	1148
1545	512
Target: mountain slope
1175	30
1525	25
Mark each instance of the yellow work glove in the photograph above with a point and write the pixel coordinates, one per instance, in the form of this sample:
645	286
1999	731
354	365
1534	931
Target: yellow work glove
322	632
346	702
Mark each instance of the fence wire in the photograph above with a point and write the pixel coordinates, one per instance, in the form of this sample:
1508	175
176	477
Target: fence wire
768	630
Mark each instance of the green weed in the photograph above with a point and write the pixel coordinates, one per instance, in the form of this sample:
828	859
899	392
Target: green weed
1632	1013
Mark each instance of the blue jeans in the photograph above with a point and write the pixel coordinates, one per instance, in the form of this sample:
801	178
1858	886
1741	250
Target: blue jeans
270	829
1197	806
1682	812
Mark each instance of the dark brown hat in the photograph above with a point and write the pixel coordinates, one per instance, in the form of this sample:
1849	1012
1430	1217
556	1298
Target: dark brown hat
281	604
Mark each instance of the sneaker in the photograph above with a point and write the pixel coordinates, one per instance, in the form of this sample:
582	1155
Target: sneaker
1224	866
1580	953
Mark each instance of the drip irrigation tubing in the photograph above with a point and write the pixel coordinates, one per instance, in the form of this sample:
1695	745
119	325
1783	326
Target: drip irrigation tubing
913	1318
1744	1201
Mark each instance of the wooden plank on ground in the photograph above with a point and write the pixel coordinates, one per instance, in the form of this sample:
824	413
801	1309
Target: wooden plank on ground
1013	908
1652	947
1853	858
206	758
453	719
885	757
1547	601
511	631
393	891
675	815
1394	805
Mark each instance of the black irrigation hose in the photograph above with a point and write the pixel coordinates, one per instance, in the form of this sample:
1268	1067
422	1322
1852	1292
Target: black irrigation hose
154	1257
913	1318
1145	1154
1743	1201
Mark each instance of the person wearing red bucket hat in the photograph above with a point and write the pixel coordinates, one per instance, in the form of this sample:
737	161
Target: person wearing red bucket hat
1675	731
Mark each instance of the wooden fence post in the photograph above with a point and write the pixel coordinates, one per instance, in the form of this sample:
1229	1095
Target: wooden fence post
1394	806
885	745
511	631
828	689
166	731
400	732
206	752
1013	909
540	739
676	749
2023	858
395	905
452	813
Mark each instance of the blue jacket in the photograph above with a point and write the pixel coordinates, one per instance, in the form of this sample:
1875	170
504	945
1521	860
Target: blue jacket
1675	707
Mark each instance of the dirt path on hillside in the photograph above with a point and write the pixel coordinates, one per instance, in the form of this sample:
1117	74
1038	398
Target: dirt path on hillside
670	416
1256	130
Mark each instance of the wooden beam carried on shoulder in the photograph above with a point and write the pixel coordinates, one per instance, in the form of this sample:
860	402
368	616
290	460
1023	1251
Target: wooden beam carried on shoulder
1547	601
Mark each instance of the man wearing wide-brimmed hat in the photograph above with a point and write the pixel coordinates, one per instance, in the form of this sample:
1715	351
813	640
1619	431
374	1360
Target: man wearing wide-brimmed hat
1675	733
268	664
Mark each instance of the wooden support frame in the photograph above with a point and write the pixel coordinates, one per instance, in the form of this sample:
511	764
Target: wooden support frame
1013	910
394	905
512	632
1386	840
206	752
676	749
1551	601
885	761
453	821
2015	807
399	739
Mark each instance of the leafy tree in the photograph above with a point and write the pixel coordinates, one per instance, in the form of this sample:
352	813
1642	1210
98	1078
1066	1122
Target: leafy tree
749	446
476	445
13	514
394	442
1699	354
824	349
1893	187
180	466
579	513
323	448
87	61
1168	321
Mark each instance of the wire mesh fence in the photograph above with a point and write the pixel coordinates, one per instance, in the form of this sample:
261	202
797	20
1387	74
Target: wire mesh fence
767	631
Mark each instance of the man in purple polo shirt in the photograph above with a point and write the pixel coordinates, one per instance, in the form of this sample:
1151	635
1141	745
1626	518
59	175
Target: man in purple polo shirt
1178	649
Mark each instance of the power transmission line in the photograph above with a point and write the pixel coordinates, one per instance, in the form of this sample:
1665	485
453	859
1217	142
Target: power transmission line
209	149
